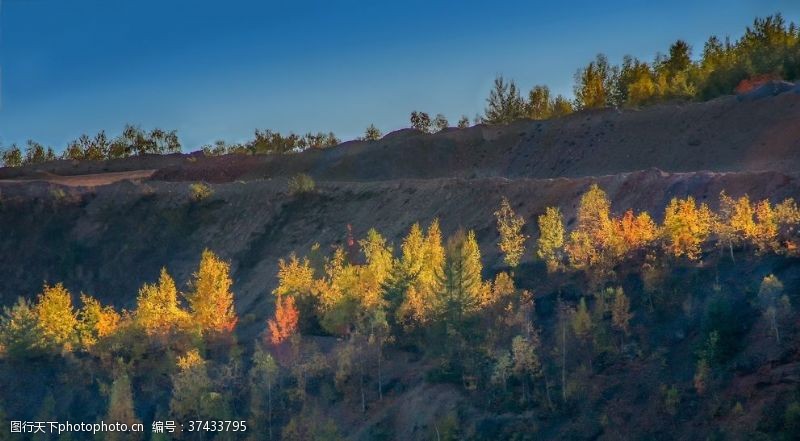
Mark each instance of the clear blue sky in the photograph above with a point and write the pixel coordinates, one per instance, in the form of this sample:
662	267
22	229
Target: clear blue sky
219	69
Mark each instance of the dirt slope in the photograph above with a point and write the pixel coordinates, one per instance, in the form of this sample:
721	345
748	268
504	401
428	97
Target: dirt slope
726	134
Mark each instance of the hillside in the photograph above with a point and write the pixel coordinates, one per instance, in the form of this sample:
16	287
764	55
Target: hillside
104	228
641	158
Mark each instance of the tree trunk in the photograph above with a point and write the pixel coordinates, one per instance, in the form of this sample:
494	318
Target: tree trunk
269	408
380	377
564	360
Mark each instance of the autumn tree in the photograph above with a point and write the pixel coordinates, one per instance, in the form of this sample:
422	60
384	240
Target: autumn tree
774	303
551	238
562	106
593	83
210	299
12	157
636	231
539	105
582	320
121	408
686	226
526	361
512	240
95	321
736	223
56	317
504	104
284	324
157	309
595	244
421	263
621	312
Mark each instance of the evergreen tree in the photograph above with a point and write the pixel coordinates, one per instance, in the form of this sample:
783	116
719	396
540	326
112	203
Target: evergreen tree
121	408
461	283
372	133
263	377
20	335
504	103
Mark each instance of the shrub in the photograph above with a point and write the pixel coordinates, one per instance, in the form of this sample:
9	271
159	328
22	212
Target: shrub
301	183
200	191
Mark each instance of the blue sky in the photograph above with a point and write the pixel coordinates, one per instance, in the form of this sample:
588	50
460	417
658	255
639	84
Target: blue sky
220	69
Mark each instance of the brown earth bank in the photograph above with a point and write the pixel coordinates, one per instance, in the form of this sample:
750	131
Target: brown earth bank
725	134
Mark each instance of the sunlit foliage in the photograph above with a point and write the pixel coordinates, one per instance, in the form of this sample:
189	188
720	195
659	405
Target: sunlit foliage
686	226
210	298
512	240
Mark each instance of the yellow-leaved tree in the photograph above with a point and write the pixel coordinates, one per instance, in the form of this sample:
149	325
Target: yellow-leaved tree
551	238
157	308
512	240
95	321
57	320
422	259
210	298
595	244
686	226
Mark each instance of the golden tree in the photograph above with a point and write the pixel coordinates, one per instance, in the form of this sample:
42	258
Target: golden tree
686	227
595	244
157	308
422	260
551	238
638	231
765	236
512	240
95	321
57	319
376	271
284	324
211	299
621	312
582	320
735	224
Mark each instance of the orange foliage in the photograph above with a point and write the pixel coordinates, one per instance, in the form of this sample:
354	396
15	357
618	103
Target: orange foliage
284	325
